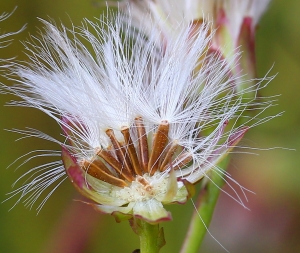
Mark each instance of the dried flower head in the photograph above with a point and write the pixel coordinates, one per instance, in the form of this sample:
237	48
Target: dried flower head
167	14
234	23
142	122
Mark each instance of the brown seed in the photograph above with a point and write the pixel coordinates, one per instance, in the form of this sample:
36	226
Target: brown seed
143	144
113	162
121	152
159	144
179	162
168	154
131	151
97	169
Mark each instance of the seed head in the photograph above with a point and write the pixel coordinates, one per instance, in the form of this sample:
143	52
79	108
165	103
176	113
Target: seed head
143	121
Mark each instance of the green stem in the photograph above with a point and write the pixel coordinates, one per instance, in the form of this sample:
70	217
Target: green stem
204	208
151	236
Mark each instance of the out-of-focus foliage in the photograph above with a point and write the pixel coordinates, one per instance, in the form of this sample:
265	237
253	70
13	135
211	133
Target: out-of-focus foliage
273	223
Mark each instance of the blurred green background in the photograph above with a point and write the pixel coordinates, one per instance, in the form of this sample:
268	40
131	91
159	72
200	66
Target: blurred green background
271	225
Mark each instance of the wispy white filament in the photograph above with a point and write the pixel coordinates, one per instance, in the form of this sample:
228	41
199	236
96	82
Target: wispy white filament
4	42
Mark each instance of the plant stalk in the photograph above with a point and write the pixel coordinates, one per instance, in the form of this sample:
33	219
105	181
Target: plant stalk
203	212
151	236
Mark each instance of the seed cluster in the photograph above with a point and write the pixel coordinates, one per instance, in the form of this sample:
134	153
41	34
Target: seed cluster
123	162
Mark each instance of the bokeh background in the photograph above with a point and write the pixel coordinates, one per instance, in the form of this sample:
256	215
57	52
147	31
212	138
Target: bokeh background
271	225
